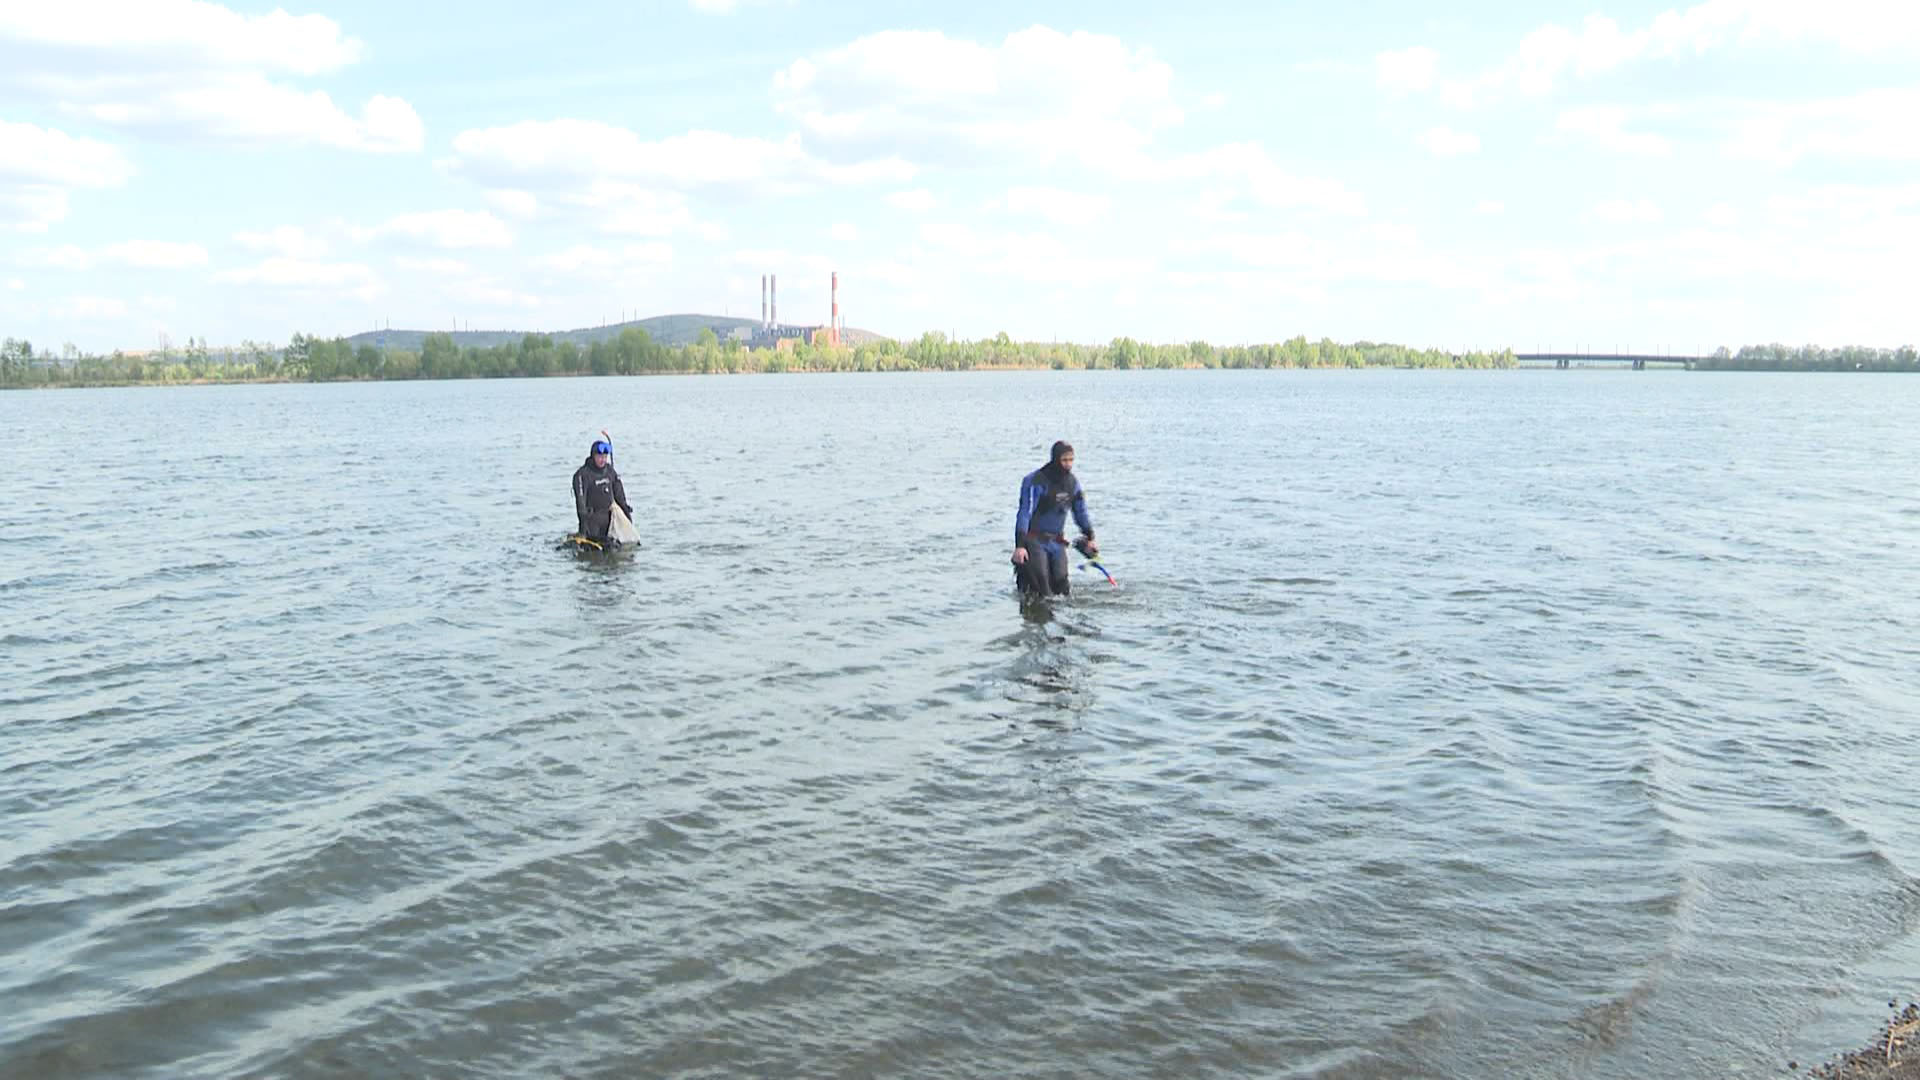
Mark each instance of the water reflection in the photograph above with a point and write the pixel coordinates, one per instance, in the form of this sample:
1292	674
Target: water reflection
1050	671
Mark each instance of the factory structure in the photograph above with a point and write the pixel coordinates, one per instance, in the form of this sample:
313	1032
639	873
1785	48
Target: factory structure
773	334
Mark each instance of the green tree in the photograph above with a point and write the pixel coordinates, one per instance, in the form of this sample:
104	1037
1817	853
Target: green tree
438	356
294	358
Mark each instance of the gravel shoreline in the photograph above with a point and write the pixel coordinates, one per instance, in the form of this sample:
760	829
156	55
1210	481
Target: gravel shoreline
1894	1053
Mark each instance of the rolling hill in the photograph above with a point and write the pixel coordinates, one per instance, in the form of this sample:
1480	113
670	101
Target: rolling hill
666	329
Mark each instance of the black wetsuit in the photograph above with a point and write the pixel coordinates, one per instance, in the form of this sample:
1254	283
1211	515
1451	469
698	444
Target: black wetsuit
595	491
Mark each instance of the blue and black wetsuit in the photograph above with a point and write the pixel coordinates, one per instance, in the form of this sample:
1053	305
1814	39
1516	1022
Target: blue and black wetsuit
1047	496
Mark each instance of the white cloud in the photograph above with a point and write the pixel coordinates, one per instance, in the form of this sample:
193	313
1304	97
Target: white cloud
590	260
632	209
1490	207
1265	250
1604	126
16	284
193	32
574	260
442	267
571	156
247	108
1868	27
491	294
1026	257
389	123
1722	216
915	200
30	208
890	272
1213	101
64	257
351	279
88	308
844	232
195	70
1544	56
465	284
38	165
1841	252
1845	204
40	155
443	228
514	203
1245	171
1037	95
140	254
602	204
953	236
156	255
1548	55
291	241
1406	69
1879	124
1824	247
1301	266
1058	206
1446	142
1627	212
815	267
1875	125
715	7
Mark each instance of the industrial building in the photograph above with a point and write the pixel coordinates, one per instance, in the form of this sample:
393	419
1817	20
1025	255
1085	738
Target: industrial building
772	334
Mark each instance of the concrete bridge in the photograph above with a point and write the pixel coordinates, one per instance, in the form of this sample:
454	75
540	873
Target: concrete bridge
1636	361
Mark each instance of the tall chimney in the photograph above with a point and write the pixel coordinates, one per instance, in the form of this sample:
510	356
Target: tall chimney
773	282
833	329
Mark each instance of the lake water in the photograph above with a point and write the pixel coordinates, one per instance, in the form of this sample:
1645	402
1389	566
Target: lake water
1552	724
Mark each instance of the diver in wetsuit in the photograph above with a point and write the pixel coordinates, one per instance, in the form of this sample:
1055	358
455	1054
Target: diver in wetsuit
596	489
1047	496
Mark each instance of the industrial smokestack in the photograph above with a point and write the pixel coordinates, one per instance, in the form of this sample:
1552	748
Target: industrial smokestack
773	283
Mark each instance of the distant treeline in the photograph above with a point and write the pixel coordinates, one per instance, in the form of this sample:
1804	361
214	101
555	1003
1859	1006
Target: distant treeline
1812	358
312	359
308	359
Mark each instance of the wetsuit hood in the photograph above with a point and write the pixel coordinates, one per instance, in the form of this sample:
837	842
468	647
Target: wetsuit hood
1056	477
1052	470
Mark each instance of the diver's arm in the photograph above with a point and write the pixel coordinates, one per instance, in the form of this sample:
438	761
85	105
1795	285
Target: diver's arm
620	496
1029	502
1080	515
1023	517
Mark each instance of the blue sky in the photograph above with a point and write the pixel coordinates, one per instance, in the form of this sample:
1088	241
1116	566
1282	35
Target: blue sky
1600	174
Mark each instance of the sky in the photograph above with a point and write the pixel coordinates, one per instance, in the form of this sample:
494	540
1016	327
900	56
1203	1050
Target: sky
1541	176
